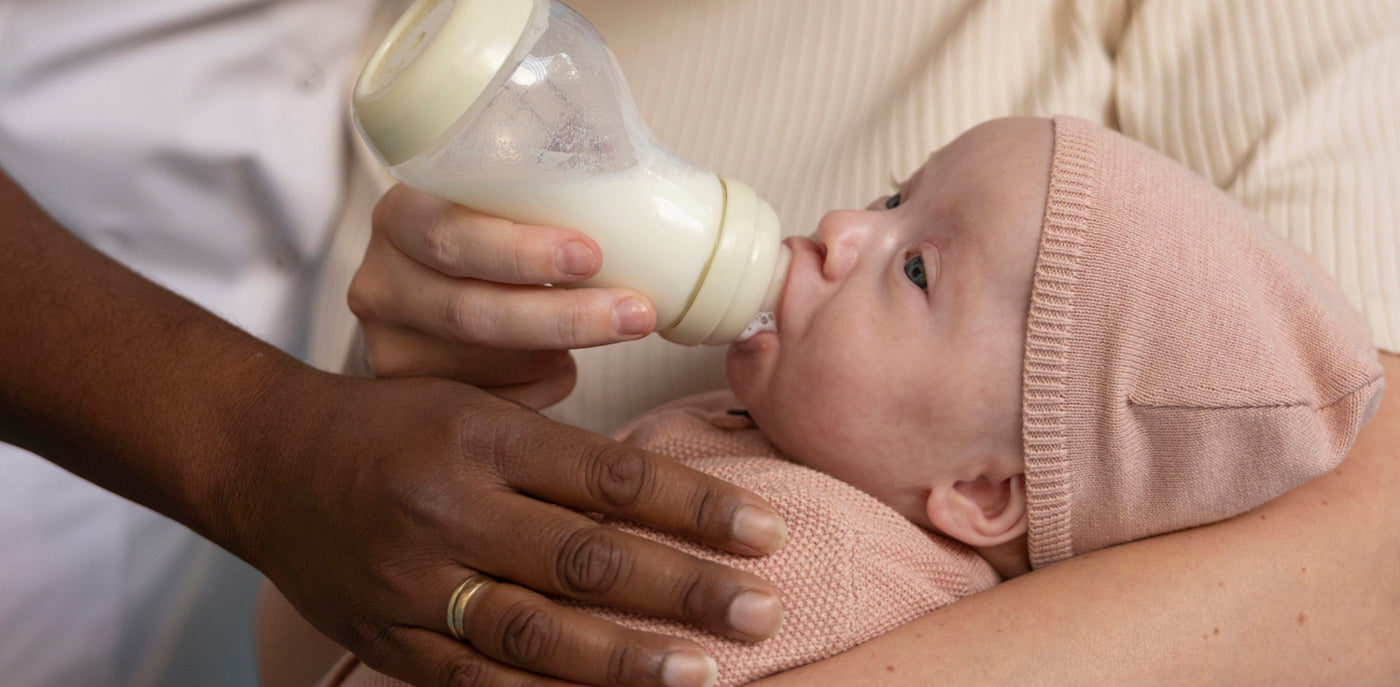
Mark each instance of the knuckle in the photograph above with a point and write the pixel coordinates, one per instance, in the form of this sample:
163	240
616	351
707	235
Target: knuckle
467	319
574	325
491	441
359	300
707	511
529	635
629	664
421	505
467	672
692	601
516	262
387	209
365	292
375	637
440	242
482	434
619	476
591	562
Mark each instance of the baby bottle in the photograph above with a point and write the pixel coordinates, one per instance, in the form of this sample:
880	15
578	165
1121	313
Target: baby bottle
516	108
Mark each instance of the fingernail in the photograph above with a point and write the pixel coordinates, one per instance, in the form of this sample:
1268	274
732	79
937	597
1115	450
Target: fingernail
685	669
759	529
575	259
756	614
631	318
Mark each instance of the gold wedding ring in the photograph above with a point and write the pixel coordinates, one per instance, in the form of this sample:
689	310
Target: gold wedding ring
457	605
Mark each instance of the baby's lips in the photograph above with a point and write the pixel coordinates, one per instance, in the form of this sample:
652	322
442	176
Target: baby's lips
762	322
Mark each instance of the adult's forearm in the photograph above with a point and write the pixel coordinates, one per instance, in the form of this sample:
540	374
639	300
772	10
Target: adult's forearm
119	380
1300	591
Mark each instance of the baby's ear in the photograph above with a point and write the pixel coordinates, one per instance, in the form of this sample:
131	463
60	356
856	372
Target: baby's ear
981	512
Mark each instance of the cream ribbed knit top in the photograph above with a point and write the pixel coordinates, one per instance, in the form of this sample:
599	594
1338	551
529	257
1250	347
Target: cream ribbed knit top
1291	106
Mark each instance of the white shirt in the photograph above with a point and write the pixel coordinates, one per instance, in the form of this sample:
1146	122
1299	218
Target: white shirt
200	142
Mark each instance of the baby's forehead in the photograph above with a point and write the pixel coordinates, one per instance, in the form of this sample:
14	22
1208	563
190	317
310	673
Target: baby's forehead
993	179
995	145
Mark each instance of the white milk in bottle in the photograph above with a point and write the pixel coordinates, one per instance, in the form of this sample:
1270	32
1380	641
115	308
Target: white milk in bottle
516	108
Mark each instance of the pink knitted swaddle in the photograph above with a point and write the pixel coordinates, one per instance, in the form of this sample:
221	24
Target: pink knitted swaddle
852	568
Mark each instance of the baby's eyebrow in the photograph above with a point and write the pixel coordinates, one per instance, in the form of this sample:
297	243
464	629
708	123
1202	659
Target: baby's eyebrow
919	172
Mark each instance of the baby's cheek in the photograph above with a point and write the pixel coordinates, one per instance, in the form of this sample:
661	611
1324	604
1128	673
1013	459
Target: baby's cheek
806	432
739	369
801	403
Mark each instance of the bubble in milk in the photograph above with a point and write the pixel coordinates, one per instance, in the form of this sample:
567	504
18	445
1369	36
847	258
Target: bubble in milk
762	322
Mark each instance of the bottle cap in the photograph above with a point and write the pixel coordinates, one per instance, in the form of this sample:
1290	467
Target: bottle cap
438	58
745	274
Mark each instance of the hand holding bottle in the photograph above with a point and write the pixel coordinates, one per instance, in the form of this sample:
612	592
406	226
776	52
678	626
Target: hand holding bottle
448	292
516	109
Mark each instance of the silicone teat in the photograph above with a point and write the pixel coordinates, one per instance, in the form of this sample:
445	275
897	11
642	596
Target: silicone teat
766	320
762	322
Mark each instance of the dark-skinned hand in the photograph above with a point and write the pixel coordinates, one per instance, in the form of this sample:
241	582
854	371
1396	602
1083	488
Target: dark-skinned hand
404	488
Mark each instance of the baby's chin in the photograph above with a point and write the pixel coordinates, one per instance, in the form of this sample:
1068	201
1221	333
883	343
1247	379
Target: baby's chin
746	365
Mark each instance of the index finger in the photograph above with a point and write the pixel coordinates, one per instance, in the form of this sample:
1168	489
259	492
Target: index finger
461	242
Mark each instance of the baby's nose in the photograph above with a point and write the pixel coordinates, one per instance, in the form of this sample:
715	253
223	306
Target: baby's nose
842	234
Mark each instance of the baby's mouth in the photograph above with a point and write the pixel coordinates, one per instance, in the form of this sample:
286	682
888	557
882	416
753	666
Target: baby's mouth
762	322
767	319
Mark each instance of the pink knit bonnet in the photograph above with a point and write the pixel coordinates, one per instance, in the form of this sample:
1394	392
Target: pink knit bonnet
1184	363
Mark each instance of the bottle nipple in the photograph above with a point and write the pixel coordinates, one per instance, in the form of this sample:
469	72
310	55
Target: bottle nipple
762	322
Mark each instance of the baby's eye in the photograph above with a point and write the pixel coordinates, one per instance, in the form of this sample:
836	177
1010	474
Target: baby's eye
892	202
914	269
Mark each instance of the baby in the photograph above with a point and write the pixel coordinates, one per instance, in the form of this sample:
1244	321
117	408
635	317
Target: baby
1033	365
1117	351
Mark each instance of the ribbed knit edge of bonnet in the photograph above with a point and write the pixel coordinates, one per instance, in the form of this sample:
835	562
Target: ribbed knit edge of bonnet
1049	335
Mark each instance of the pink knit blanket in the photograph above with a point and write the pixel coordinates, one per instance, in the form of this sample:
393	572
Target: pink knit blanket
852	568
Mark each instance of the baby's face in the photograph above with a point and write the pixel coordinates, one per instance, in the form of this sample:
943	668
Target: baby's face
901	326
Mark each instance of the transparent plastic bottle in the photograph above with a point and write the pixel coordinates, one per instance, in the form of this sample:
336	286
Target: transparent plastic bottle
516	108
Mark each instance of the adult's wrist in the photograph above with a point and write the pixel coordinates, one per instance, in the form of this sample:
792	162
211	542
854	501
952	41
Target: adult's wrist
270	421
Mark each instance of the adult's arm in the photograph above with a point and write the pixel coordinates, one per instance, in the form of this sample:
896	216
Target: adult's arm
365	501
1300	591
